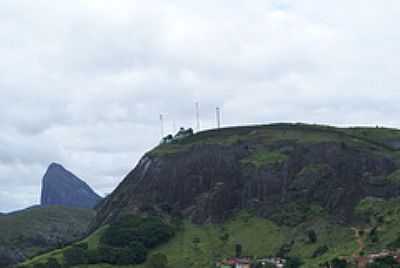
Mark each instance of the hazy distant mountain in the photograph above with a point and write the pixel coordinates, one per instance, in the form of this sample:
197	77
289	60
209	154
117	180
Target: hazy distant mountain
61	187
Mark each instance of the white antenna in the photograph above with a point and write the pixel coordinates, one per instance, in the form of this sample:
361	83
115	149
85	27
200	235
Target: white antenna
197	116
218	117
162	125
173	126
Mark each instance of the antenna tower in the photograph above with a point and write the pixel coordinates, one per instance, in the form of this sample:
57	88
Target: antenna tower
218	110
197	116
162	125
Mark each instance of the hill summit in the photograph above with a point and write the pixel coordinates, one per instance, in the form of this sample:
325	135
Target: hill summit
61	187
267	169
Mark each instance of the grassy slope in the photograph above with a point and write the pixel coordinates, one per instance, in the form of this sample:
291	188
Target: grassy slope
92	240
22	228
383	214
259	237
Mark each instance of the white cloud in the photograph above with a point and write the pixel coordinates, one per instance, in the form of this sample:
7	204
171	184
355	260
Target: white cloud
83	82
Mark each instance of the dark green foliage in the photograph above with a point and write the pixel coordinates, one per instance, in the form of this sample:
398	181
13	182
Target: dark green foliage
93	256
196	240
53	263
312	236
224	237
373	235
293	262
396	243
337	263
134	254
154	232
83	245
238	250
285	249
385	262
158	260
320	251
39	265
75	255
127	241
149	231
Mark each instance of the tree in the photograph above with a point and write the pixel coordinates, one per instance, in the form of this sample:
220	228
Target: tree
53	263
136	253
293	262
384	262
238	250
74	256
337	263
320	251
39	265
158	260
312	236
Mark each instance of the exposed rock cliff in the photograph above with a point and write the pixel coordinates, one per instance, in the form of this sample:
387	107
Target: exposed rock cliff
266	169
61	187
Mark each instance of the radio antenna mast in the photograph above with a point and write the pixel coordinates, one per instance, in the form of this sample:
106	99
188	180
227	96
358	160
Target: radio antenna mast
218	111
197	116
162	125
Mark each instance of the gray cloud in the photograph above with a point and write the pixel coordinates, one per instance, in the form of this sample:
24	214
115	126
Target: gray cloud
83	82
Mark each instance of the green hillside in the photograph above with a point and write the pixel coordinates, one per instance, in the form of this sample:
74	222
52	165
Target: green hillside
29	232
201	246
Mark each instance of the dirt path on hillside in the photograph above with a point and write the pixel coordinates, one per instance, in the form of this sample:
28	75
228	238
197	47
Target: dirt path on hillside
360	242
361	262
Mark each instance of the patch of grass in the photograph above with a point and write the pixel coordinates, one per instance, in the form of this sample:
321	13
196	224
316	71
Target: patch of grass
262	158
339	240
384	218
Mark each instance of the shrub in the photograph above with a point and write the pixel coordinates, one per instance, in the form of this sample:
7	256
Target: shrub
320	251
39	265
127	240
337	263
149	231
74	256
93	256
53	263
312	236
135	254
158	260
293	262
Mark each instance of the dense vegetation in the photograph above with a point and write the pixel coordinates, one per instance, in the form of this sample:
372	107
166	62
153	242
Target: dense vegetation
125	242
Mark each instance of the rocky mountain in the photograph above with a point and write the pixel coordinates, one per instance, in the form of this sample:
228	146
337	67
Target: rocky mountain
61	187
29	232
310	193
266	169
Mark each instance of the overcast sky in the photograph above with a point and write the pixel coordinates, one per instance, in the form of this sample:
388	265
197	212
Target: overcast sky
83	83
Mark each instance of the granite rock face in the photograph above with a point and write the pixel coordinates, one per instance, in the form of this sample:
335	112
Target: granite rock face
266	169
61	187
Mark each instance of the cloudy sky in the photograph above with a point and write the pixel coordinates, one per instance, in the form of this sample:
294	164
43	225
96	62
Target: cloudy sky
83	82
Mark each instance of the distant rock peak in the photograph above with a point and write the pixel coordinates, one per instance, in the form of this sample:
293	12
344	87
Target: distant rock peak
62	187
